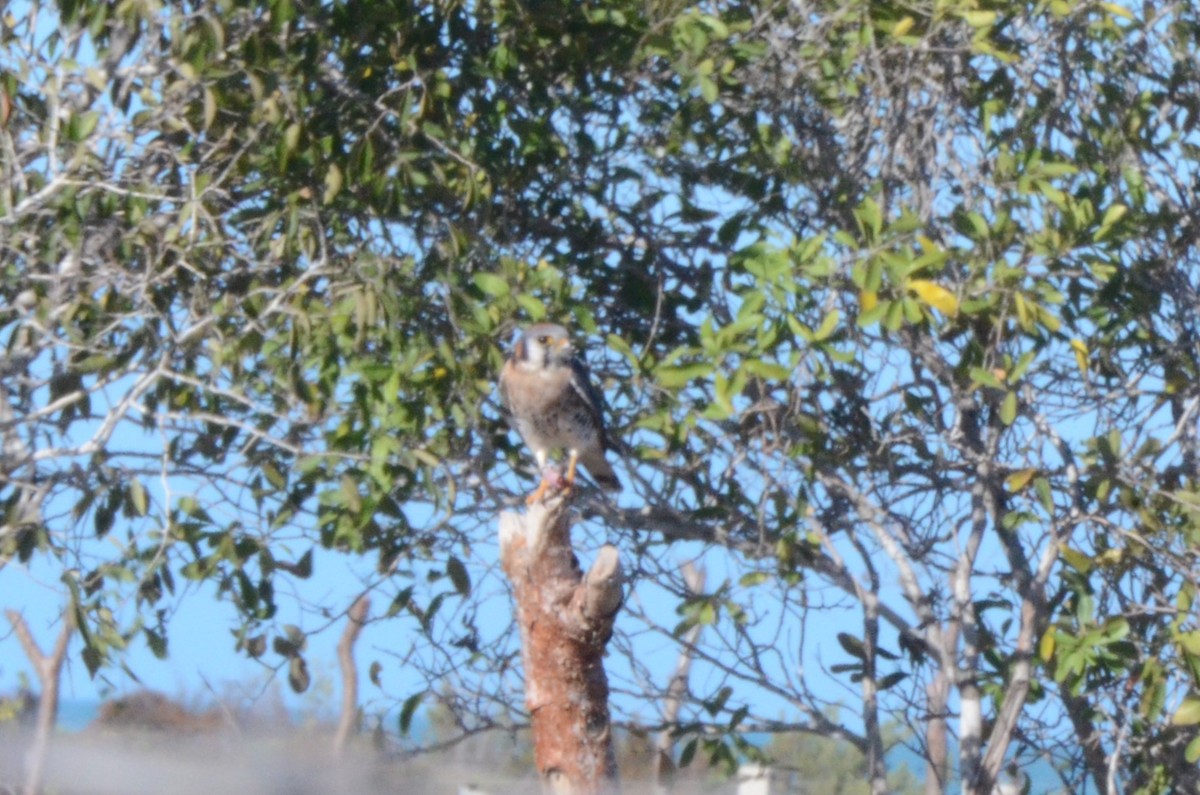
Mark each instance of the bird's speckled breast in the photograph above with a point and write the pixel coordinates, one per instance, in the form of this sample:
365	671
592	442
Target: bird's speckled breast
554	417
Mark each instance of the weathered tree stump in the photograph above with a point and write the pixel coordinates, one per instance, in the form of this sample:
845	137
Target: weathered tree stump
566	620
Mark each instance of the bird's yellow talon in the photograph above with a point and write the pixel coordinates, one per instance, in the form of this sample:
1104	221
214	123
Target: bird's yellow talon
538	494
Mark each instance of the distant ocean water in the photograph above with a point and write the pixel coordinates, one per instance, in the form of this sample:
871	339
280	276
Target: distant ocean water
75	714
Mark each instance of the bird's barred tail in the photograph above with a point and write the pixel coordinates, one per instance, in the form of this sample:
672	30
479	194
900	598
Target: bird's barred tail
602	472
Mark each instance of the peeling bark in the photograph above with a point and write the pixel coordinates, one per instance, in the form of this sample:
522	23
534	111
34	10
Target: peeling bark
566	619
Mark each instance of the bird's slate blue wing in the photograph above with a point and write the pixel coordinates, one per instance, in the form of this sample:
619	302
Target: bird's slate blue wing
581	382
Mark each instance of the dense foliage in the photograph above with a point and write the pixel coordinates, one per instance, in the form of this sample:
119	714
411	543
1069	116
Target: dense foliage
895	306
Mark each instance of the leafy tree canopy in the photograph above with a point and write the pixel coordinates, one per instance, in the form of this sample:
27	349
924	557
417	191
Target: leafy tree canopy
894	304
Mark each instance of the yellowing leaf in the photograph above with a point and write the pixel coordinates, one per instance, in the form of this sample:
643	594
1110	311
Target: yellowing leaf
869	300
210	108
333	183
1022	312
980	19
1117	11
903	26
1046	646
137	495
1019	479
1081	354
1076	559
1187	714
935	295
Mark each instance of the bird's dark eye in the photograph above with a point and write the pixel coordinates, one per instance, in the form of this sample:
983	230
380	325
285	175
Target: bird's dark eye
542	340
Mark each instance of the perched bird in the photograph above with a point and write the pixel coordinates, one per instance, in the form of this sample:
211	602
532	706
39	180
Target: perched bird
550	400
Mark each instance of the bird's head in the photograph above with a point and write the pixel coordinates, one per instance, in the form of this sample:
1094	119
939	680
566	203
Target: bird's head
542	346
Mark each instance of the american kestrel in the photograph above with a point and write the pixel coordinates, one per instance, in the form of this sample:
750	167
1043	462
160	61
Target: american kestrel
550	400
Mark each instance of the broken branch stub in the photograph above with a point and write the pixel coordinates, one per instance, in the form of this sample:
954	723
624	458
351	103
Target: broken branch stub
566	620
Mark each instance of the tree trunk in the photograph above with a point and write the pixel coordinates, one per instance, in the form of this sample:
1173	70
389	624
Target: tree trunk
566	620
937	768
348	721
664	758
49	671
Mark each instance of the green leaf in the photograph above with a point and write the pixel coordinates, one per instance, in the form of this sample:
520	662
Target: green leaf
81	125
874	315
535	309
408	709
828	324
274	476
1190	642
1048	319
718	701
1192	752
458	575
291	138
298	676
853	646
156	642
689	752
1112	215
769	371
870	218
985	377
93	659
304	566
676	377
1008	408
1045	496
491	284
